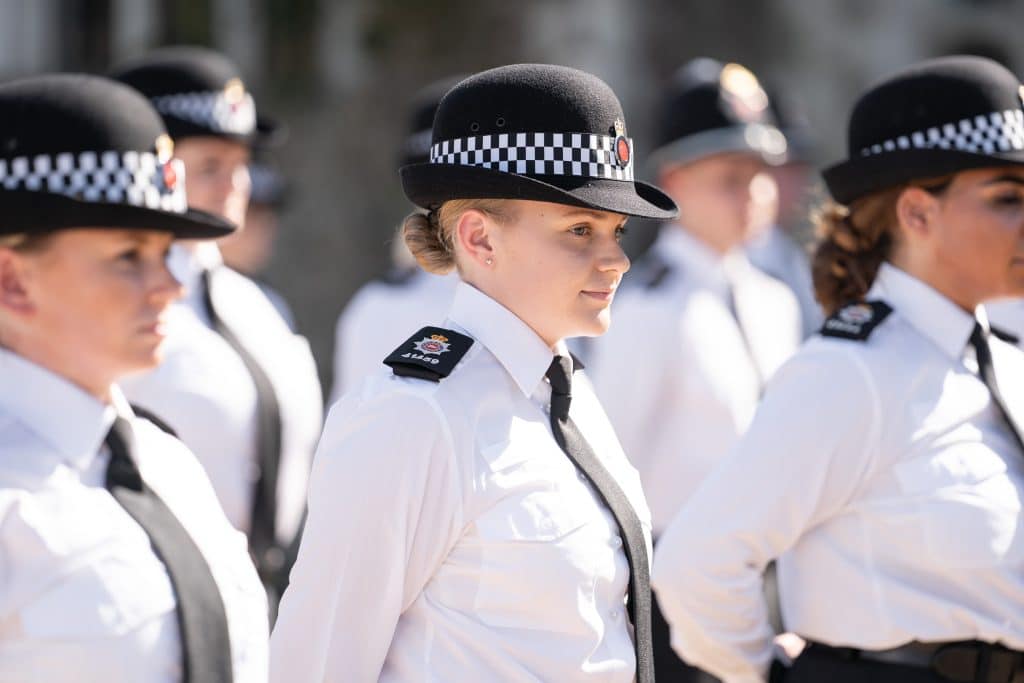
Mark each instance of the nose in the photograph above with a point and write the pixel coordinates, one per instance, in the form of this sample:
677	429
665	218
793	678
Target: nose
614	259
165	287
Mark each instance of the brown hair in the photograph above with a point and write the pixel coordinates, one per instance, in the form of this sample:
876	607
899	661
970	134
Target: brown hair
429	235
854	240
24	242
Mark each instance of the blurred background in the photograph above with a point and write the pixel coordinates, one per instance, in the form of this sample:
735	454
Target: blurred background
340	74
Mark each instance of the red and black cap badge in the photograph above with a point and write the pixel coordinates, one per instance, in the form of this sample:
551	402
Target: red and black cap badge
622	153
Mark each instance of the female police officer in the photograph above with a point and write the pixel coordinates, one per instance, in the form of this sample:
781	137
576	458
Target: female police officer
116	561
471	515
885	467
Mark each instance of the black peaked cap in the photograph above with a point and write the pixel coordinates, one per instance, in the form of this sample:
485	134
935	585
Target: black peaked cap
185	70
933	118
709	108
85	151
516	115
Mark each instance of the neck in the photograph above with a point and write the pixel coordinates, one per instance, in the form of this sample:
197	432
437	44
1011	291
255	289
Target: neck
495	293
64	365
951	287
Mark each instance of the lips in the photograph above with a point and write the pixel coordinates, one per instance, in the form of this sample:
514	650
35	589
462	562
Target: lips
599	294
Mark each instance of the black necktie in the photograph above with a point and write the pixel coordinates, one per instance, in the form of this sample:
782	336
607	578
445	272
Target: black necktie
569	438
205	643
268	556
986	370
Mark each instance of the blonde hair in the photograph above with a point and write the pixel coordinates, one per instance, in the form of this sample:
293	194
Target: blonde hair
854	240
24	242
429	235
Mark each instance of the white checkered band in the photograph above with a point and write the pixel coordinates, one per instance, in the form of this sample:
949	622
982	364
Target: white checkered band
213	110
1000	131
135	178
575	154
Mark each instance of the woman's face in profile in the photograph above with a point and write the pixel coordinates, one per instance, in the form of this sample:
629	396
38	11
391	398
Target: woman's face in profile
93	302
557	267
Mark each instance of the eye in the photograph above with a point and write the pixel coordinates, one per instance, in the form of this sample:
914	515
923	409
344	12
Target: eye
132	255
1008	199
580	230
620	232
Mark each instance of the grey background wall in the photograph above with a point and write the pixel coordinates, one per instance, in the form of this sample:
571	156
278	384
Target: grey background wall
339	72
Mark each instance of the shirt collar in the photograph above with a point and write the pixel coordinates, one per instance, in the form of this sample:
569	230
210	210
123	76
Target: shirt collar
69	419
696	259
187	264
524	355
936	317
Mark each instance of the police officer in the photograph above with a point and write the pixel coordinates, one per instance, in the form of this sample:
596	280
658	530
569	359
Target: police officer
701	330
885	467
471	514
381	313
255	427
116	561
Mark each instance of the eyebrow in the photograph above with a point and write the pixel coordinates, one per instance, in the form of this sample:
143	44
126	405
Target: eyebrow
1005	178
596	215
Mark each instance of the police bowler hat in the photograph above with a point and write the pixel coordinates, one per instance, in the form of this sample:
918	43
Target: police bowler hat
711	108
538	132
84	151
199	92
934	118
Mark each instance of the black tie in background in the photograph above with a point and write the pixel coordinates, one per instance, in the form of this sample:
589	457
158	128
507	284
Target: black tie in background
267	554
569	438
205	643
979	340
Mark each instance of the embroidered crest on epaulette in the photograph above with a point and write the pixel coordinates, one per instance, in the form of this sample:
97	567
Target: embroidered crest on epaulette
856	321
431	354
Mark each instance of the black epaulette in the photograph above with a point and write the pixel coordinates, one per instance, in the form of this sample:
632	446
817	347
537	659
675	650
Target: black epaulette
154	418
431	354
856	321
1008	337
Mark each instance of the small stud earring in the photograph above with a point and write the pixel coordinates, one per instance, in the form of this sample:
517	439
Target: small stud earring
489	261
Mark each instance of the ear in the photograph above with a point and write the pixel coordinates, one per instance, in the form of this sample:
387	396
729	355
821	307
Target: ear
916	210
473	234
14	280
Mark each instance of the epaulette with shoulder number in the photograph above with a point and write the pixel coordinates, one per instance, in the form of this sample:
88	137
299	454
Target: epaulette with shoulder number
430	354
856	321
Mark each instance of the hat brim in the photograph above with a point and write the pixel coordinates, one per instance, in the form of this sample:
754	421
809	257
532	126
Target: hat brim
430	185
36	212
852	179
763	141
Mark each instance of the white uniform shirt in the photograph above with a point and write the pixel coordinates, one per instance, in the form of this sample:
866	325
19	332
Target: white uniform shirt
83	597
675	372
1008	315
885	481
381	315
449	538
779	255
203	390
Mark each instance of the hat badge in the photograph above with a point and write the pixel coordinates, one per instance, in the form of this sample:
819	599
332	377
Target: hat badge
742	92
434	345
234	93
164	152
622	154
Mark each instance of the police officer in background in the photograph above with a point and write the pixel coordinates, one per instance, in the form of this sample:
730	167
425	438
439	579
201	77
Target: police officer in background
885	467
381	312
239	387
117	564
778	245
696	337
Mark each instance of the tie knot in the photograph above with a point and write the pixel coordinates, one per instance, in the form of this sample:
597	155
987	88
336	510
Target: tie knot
559	374
122	470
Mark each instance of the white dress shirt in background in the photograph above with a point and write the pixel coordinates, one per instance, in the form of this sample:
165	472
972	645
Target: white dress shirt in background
679	378
381	315
449	538
83	596
782	257
881	475
203	390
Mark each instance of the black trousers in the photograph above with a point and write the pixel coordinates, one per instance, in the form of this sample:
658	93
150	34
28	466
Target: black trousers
815	665
668	668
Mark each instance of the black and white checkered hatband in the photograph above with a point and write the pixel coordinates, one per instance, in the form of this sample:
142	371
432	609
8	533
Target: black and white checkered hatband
999	131
584	155
217	111
133	178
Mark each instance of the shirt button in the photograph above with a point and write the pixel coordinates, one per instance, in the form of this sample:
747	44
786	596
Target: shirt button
615	542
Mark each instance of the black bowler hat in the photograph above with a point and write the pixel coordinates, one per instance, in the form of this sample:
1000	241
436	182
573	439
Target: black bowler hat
416	148
934	118
82	151
199	92
533	131
714	108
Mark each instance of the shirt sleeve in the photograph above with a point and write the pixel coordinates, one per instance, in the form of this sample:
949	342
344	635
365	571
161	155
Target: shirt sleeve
384	510
802	459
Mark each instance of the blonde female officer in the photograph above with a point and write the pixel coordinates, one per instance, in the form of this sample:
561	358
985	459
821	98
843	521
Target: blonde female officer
472	516
885	467
116	561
